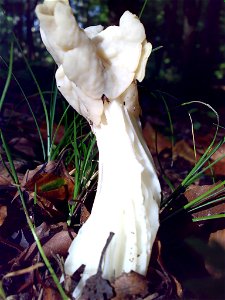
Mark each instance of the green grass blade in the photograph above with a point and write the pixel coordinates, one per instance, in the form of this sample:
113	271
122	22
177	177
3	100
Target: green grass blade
9	76
2	292
156	48
204	195
11	164
31	111
208	203
209	167
142	9
194	174
41	96
64	143
170	122
30	224
204	159
56	131
206	218
193	136
52	113
205	156
86	160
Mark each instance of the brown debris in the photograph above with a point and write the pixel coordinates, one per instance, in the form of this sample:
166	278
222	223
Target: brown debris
215	262
130	286
97	288
51	294
84	214
49	186
52	245
3	213
195	191
154	140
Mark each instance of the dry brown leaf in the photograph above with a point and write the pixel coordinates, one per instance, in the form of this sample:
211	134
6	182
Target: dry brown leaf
195	191
22	145
60	132
52	245
3	213
97	288
218	237
51	294
162	282
4	181
183	150
130	286
219	168
25	270
215	263
55	245
48	209
18	164
152	296
150	138
52	182
84	215
52	186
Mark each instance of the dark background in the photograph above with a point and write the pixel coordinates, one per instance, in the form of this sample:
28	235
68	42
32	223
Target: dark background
190	65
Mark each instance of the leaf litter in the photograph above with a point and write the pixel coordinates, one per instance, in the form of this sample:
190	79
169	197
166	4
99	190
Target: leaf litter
49	188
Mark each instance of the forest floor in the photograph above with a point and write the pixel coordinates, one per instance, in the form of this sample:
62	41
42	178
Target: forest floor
188	259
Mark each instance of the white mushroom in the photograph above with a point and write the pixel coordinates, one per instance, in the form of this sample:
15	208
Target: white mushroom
92	63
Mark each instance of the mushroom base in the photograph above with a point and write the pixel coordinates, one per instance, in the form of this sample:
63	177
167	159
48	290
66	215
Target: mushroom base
126	203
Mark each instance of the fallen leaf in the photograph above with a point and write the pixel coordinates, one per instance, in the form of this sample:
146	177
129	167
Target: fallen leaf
162	283
219	168
51	240
59	135
3	213
24	271
183	150
152	296
97	288
130	286
215	261
51	294
18	164
4	181
70	282
49	186
195	191
22	145
52	245
218	237
150	137
52	181
84	215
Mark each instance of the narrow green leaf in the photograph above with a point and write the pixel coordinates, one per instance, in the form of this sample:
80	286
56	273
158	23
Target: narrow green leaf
41	97
52	185
142	9
30	224
204	195
206	218
9	76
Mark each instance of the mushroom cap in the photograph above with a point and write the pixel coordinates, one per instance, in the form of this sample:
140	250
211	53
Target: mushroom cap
88	107
124	52
76	57
94	61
